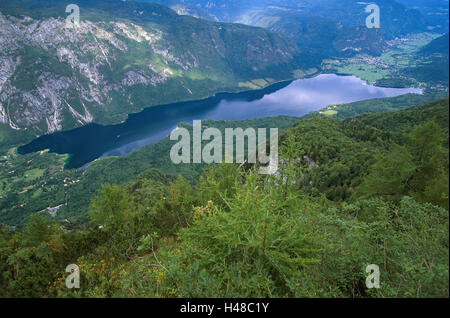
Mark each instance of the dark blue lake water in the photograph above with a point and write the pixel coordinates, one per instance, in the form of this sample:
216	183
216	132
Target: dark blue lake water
294	98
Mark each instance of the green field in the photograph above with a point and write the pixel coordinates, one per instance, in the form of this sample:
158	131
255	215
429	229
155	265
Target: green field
329	112
31	183
33	174
388	67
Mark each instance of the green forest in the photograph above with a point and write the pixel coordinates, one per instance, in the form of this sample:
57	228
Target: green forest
350	192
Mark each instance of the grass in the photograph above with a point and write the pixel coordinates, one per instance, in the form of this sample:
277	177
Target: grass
33	179
370	73
401	55
304	73
260	82
329	112
248	85
33	174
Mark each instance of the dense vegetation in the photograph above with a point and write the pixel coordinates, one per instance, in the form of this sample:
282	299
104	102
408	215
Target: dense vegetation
37	181
367	190
377	105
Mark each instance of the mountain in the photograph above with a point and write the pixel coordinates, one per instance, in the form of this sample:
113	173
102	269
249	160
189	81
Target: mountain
432	63
397	19
321	37
123	57
438	46
322	27
434	11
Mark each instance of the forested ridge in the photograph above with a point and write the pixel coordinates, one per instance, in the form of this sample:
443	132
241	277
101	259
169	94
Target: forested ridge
371	189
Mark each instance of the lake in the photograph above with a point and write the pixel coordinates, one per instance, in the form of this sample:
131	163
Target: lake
293	98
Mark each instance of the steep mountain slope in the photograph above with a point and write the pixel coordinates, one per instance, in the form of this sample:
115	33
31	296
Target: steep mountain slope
438	46
124	56
403	121
320	36
432	62
338	154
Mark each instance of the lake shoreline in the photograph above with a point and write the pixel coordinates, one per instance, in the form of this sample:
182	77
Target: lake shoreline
294	98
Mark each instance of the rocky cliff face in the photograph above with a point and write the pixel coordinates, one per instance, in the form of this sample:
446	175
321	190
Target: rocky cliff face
54	77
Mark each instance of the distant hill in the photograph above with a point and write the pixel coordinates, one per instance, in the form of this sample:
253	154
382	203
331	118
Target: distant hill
320	36
434	11
398	19
437	46
321	27
432	64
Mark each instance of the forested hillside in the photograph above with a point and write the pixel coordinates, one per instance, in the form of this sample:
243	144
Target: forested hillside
367	190
38	181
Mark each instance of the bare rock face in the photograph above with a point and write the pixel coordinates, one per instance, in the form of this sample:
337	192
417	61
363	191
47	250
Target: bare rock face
54	76
32	50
